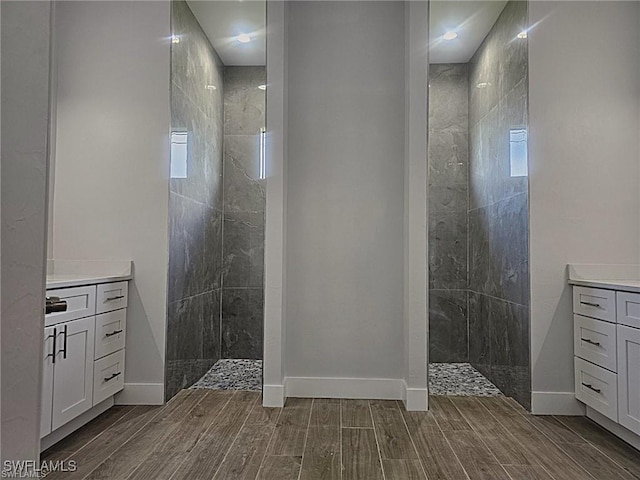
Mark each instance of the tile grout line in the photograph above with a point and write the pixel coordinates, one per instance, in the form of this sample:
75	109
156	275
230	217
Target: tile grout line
593	444
556	444
404	422
266	452
208	426
306	437
547	437
244	422
152	452
375	435
435	419
519	442
477	433
151	419
67	457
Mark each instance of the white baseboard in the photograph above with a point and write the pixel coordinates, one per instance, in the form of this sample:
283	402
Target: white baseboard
75	424
556	403
365	388
141	394
415	399
615	428
273	395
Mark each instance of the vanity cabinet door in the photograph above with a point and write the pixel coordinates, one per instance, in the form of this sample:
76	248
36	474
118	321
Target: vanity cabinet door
73	379
47	382
629	378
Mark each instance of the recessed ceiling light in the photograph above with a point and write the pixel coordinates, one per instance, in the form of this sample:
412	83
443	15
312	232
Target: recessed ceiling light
450	35
175	39
243	38
522	34
262	87
210	87
483	85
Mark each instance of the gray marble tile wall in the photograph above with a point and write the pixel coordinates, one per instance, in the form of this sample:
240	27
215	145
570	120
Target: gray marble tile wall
448	205
498	256
195	206
244	210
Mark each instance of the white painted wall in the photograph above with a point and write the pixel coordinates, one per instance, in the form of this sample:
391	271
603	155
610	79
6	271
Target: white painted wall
584	97
25	31
345	190
112	159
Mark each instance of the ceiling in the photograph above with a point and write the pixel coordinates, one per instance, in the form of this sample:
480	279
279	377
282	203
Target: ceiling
472	20
223	21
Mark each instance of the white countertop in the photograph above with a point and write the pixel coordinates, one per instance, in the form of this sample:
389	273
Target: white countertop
624	278
610	284
74	273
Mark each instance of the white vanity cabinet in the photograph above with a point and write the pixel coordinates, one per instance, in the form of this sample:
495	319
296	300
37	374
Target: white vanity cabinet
83	352
72	371
607	353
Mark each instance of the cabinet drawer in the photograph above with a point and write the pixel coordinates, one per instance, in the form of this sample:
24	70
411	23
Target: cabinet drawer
628	308
111	296
81	302
597	387
595	341
108	376
595	302
110	332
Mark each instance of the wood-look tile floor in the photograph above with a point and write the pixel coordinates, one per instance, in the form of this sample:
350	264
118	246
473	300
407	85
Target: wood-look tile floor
226	435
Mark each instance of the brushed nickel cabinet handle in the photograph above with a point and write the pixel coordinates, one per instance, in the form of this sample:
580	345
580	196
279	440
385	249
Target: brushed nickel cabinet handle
111	299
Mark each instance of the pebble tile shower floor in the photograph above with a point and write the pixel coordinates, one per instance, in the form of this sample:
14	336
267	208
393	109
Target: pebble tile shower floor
233	374
459	379
444	378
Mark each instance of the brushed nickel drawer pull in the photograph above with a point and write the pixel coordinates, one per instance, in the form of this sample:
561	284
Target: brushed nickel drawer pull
595	305
111	299
115	332
590	387
112	376
597	344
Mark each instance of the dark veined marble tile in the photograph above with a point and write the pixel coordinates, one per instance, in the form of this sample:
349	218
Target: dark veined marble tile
244	249
448	251
186	247
195	66
244	191
448	325
448	198
213	243
242	322
244	102
448	97
509	247
184	329
479	333
211	321
514	52
448	157
480	257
